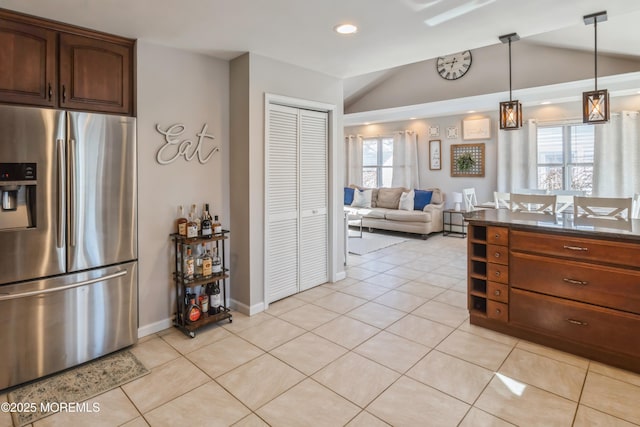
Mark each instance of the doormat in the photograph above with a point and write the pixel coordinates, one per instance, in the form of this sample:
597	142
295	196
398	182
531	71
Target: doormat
370	242
75	385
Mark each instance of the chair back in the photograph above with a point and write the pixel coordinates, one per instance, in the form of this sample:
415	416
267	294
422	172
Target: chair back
539	203
501	200
531	191
469	199
635	206
602	207
563	202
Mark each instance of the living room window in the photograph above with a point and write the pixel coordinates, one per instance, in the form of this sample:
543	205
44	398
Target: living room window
565	157
377	162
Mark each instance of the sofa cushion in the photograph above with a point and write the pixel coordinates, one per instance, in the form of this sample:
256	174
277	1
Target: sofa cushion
408	216
377	213
374	193
389	197
348	195
407	201
422	198
361	199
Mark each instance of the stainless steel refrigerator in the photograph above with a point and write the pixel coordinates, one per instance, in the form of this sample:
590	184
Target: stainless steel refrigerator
68	239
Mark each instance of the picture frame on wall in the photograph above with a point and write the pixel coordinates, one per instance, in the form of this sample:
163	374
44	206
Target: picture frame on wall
452	132
476	128
434	130
467	160
435	154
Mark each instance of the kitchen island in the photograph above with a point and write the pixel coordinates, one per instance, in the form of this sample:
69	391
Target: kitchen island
564	282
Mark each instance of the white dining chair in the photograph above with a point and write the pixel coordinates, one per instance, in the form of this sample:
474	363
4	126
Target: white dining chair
501	200
635	206
534	203
602	207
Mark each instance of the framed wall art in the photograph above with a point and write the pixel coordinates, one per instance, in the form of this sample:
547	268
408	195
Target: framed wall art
435	157
434	130
467	160
452	132
476	128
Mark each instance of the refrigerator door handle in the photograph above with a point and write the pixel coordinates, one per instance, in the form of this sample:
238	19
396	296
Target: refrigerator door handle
61	191
72	192
8	296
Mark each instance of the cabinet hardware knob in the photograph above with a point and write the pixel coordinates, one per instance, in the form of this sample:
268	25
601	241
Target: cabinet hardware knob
64	94
50	92
497	274
497	255
497	236
498	311
577	322
575	248
575	282
497	292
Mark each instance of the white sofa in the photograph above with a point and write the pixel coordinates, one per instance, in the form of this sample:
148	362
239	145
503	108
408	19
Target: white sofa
385	215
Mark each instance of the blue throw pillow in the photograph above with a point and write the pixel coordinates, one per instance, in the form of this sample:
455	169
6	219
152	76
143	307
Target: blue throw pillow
422	198
348	195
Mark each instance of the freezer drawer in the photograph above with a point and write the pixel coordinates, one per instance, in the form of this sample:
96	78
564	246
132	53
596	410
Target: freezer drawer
53	324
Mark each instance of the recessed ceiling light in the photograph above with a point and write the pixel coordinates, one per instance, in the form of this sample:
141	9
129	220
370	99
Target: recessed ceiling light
412	118
471	111
346	29
545	103
367	123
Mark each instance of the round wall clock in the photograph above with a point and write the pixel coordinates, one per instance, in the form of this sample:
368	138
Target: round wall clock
452	67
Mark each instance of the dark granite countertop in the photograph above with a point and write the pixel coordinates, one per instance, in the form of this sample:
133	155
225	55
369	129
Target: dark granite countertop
560	223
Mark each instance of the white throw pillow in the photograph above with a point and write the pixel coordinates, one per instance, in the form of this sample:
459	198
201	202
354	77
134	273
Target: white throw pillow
362	198
406	201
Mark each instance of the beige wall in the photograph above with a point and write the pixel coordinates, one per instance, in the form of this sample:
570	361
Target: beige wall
533	65
175	87
252	77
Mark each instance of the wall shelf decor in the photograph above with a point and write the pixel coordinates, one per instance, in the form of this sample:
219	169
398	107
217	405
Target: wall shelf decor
435	154
476	128
467	160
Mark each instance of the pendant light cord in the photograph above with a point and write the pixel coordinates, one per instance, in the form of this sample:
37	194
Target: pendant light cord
595	32
510	70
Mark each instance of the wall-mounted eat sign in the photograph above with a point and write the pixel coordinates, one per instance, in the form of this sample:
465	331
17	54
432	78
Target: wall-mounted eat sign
175	147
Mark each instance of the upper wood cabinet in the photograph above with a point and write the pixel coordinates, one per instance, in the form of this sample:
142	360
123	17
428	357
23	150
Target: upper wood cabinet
94	75
28	58
51	64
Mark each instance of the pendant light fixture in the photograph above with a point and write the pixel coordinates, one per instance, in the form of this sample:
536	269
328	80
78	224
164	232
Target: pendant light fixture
510	111
595	104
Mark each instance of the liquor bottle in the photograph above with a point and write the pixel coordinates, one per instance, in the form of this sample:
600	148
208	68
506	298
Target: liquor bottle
207	228
217	227
189	265
207	267
216	262
196	218
192	227
193	310
215	298
181	222
198	256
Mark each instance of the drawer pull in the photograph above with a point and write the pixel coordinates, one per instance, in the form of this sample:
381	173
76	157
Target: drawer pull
497	274
577	322
497	292
497	236
575	248
498	311
497	255
574	282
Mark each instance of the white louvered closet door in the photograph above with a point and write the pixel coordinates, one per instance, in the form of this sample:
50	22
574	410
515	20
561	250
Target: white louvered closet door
296	240
281	239
313	199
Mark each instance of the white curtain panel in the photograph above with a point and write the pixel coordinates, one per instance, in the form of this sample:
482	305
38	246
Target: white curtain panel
405	160
354	160
517	158
616	164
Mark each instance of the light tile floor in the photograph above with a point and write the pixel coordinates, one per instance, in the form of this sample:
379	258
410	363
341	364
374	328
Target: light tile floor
389	345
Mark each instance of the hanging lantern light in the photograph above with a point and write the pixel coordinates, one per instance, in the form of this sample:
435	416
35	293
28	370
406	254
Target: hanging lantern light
510	111
595	104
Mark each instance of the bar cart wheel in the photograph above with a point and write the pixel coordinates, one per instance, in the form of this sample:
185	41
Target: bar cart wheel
192	334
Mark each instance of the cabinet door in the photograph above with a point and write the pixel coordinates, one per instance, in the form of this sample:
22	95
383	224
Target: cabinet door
28	58
95	75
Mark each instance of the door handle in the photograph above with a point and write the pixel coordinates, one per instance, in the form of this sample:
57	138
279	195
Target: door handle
72	192
4	297
574	282
61	189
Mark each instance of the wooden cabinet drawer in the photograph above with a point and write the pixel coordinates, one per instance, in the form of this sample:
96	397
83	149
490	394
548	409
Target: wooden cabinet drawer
497	310
595	326
498	235
611	287
602	251
498	292
498	273
498	254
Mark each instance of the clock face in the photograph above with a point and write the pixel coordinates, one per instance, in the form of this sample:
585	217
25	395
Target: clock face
452	67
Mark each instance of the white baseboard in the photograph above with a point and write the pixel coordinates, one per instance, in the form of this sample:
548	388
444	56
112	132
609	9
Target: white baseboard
152	328
245	309
341	275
